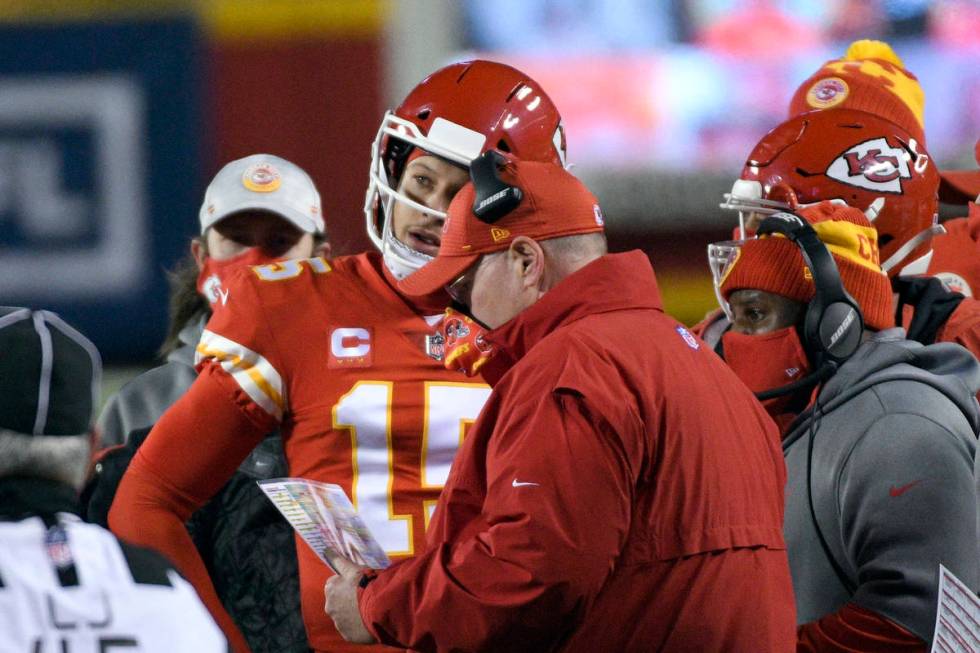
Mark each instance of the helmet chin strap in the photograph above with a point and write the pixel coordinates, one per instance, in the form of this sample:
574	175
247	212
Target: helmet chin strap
400	259
921	264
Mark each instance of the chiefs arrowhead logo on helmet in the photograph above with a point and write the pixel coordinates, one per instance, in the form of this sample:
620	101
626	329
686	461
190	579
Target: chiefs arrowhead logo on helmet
873	165
850	156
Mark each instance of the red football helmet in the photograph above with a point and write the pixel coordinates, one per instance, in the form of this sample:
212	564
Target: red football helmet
457	113
854	157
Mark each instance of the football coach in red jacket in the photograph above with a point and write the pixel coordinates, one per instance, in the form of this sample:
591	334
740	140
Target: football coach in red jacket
621	490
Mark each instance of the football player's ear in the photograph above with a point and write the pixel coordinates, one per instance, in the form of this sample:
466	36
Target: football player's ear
528	257
199	252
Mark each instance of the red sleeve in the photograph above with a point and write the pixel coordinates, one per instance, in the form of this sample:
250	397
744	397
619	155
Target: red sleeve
525	571
963	326
188	456
852	629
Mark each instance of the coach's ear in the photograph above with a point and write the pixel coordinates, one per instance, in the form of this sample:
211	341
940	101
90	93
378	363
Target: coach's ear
526	258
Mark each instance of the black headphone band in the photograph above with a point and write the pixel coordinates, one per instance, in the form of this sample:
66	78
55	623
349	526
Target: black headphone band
833	323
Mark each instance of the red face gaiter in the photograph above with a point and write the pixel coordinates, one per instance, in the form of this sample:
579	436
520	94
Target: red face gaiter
211	275
766	362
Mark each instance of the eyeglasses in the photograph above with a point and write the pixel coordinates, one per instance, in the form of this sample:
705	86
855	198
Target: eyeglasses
462	287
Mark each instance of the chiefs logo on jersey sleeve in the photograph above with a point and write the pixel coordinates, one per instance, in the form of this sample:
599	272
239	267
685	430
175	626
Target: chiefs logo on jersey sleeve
874	165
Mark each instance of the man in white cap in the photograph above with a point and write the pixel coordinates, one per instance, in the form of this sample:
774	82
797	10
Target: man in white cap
257	210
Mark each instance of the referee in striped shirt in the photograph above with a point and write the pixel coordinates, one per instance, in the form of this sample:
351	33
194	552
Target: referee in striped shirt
67	586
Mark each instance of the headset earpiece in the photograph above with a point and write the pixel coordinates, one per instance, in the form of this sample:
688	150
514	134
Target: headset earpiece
833	324
495	198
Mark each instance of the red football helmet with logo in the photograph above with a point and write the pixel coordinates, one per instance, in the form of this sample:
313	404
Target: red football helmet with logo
851	156
457	113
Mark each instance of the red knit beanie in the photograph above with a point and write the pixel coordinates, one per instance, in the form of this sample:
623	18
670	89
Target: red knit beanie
774	264
869	77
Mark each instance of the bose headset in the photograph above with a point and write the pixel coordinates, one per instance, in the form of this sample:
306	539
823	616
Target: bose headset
833	324
495	198
832	330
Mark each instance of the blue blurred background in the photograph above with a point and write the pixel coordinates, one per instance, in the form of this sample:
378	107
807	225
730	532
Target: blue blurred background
114	116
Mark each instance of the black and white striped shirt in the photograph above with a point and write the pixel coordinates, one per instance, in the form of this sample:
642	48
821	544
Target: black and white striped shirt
71	587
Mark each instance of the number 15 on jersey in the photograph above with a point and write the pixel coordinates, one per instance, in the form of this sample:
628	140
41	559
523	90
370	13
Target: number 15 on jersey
366	412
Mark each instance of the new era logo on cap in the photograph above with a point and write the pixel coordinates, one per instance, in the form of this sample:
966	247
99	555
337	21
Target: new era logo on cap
51	385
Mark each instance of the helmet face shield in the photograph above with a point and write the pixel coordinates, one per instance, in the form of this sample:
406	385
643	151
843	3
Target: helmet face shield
457	144
457	113
721	258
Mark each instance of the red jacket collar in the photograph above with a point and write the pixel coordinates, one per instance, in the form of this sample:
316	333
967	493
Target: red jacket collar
612	283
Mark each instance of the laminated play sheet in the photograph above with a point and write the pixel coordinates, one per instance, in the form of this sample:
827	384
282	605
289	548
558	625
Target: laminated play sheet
958	616
326	520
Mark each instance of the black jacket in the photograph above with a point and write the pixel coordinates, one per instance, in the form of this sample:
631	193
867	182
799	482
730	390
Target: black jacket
249	549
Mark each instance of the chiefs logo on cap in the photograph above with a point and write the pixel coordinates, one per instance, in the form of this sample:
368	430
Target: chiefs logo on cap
261	178
827	92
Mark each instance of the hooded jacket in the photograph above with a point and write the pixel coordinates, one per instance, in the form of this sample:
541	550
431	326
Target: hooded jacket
891	477
141	402
621	491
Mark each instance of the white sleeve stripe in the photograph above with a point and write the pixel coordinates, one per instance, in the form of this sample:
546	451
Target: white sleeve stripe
253	373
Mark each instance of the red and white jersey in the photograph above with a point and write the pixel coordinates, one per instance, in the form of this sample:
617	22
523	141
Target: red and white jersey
333	356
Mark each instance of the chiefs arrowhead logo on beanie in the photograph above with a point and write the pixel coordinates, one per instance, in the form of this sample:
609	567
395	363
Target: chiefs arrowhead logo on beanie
869	77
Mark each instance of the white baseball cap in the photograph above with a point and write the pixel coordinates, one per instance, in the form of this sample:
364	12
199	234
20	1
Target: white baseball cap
263	182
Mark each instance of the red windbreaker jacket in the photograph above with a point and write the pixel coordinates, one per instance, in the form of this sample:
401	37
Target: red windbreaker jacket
621	491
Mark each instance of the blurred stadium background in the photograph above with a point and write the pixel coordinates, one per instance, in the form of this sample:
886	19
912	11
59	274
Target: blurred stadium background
114	114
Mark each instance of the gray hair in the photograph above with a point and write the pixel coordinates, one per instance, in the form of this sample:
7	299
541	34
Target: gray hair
63	458
573	252
593	244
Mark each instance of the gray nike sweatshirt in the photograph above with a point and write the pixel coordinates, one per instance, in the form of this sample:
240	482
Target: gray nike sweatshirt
892	480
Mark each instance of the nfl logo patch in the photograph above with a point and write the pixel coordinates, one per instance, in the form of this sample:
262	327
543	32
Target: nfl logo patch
56	544
689	338
435	346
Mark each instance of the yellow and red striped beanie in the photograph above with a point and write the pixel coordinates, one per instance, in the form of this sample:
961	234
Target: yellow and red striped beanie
775	264
869	77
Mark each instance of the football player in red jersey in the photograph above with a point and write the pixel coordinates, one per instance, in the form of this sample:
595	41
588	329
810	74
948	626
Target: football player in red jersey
870	77
335	356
